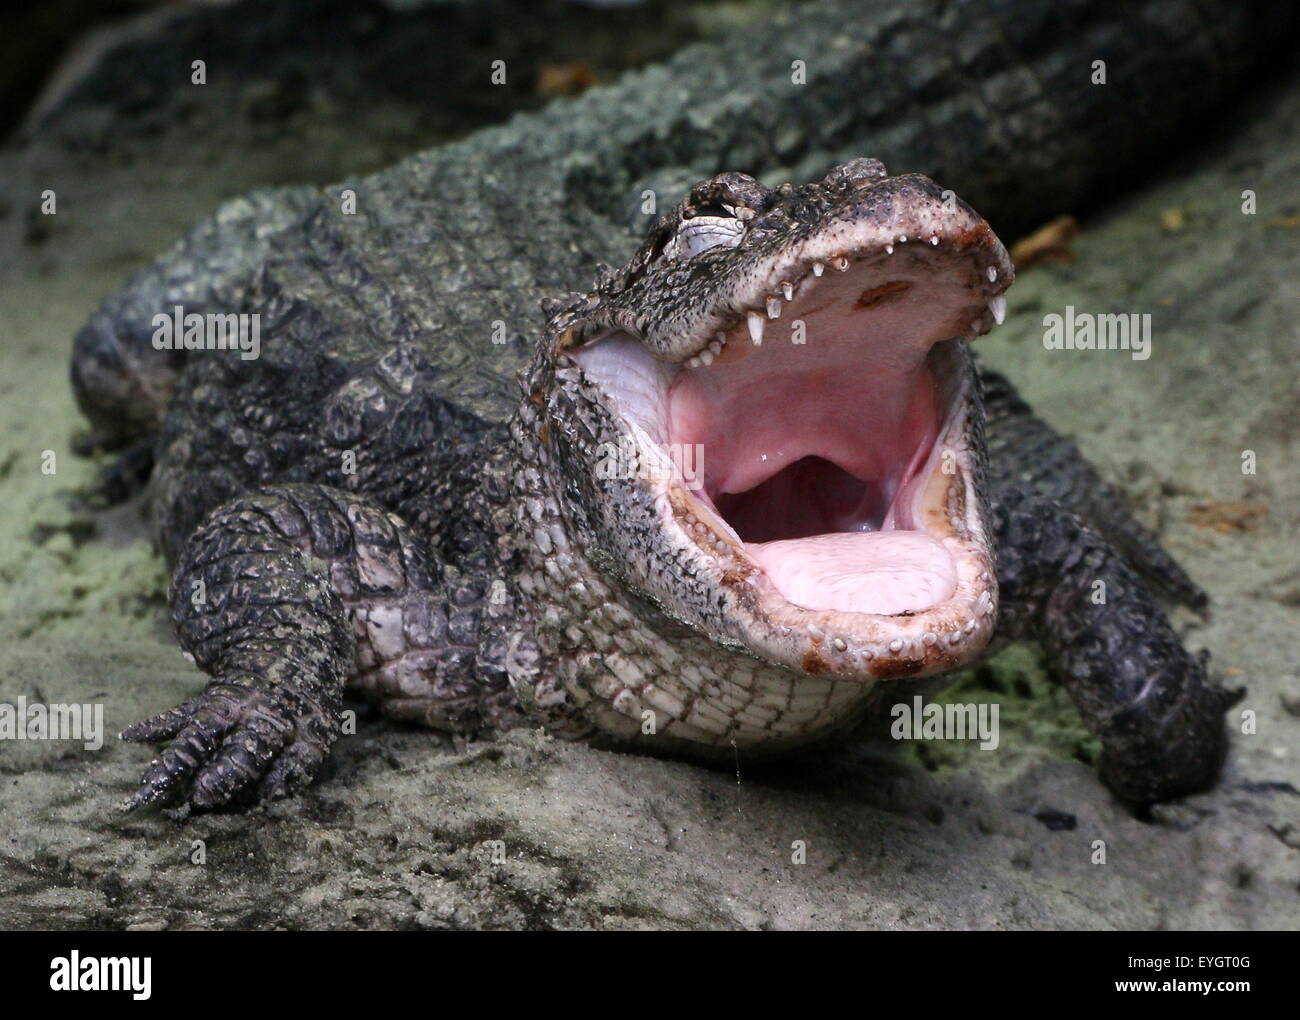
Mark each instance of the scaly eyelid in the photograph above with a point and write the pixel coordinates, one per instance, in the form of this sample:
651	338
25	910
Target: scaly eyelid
705	232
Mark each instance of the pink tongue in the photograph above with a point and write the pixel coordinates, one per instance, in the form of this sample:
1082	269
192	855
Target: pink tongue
884	572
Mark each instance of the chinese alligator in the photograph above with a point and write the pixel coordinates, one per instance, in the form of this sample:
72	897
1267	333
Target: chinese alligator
476	519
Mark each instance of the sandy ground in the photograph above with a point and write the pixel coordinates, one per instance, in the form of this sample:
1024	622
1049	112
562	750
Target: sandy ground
406	830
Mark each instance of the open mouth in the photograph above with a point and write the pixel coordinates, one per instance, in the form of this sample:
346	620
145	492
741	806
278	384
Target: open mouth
814	452
826	428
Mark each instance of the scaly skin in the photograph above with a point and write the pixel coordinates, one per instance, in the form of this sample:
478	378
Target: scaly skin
721	666
1158	715
549	594
285	596
378	345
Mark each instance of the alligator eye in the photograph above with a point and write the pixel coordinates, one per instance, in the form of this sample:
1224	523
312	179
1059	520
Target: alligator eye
704	232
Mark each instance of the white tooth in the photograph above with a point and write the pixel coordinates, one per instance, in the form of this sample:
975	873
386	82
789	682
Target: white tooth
889	249
818	269
902	239
842	264
934	240
755	327
716	346
693	362
773	308
993	274
788	290
706	357
998	306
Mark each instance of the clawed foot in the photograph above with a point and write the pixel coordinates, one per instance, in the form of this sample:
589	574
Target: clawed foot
234	741
125	477
1153	752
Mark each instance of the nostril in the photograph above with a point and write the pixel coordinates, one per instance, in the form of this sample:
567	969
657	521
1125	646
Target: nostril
856	173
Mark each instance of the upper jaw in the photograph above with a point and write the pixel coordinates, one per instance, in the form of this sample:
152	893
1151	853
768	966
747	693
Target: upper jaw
729	293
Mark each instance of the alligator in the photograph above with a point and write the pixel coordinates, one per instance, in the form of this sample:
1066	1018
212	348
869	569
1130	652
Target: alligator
475	514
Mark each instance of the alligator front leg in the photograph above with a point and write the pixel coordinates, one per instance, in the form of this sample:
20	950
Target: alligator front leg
1025	452
282	596
1157	713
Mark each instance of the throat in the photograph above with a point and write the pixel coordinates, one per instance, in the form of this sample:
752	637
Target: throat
810	497
816	469
789	456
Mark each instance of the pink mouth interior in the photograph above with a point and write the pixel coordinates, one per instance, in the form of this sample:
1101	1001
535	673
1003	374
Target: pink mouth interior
814	453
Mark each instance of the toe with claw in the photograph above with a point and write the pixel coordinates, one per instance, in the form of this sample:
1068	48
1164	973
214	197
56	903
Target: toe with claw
235	741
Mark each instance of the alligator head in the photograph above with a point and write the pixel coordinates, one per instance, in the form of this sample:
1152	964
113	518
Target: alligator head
768	425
